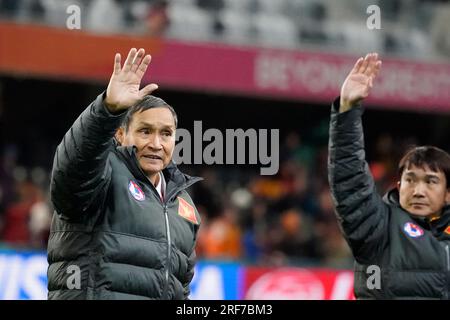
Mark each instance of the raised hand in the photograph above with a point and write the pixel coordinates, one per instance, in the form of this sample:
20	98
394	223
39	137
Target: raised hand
123	88
359	81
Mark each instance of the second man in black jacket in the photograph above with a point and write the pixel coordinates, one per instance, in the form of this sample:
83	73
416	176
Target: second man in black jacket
400	242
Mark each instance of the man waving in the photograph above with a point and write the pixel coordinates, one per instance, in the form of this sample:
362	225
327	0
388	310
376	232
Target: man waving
400	242
124	226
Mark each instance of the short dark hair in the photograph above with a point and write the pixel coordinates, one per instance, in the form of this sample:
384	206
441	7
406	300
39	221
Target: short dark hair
436	159
148	102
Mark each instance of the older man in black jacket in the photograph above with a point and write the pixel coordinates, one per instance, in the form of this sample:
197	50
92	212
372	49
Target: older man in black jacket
400	242
124	226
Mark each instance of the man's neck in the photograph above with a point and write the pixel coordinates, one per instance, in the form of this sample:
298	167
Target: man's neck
154	179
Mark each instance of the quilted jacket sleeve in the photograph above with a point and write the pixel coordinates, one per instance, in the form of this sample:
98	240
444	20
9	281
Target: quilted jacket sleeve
80	172
362	215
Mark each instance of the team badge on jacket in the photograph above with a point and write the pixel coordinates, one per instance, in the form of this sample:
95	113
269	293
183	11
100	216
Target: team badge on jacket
447	230
186	210
136	191
413	230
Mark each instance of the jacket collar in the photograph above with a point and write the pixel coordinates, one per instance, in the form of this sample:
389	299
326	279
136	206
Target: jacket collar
175	179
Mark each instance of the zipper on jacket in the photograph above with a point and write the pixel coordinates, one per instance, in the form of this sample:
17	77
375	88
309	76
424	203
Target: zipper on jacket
169	245
164	203
167	200
447	253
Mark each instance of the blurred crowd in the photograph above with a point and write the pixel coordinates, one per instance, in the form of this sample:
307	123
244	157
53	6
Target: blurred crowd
25	210
269	220
285	219
413	28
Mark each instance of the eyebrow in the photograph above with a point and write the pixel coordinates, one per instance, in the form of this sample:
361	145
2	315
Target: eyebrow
148	125
427	175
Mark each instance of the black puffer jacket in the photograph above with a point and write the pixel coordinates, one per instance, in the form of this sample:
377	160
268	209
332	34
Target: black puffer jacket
412	254
110	222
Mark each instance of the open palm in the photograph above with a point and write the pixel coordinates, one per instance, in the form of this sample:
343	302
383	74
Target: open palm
123	88
359	81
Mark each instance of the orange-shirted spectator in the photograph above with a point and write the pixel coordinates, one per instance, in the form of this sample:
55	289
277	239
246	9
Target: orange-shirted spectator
293	236
221	237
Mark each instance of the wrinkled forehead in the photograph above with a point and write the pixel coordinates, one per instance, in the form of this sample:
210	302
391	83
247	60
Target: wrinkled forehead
423	169
154	117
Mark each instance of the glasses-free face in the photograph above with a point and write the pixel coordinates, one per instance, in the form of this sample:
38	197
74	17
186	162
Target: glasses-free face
153	133
423	192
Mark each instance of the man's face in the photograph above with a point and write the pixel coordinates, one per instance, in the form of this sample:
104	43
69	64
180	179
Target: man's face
153	133
423	192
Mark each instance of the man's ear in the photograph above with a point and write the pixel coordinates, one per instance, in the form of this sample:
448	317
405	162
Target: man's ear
120	135
398	184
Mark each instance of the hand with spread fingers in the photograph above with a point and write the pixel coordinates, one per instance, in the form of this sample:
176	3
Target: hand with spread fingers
123	88
359	81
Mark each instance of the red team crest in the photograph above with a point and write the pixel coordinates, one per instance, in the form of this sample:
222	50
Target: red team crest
447	230
186	210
